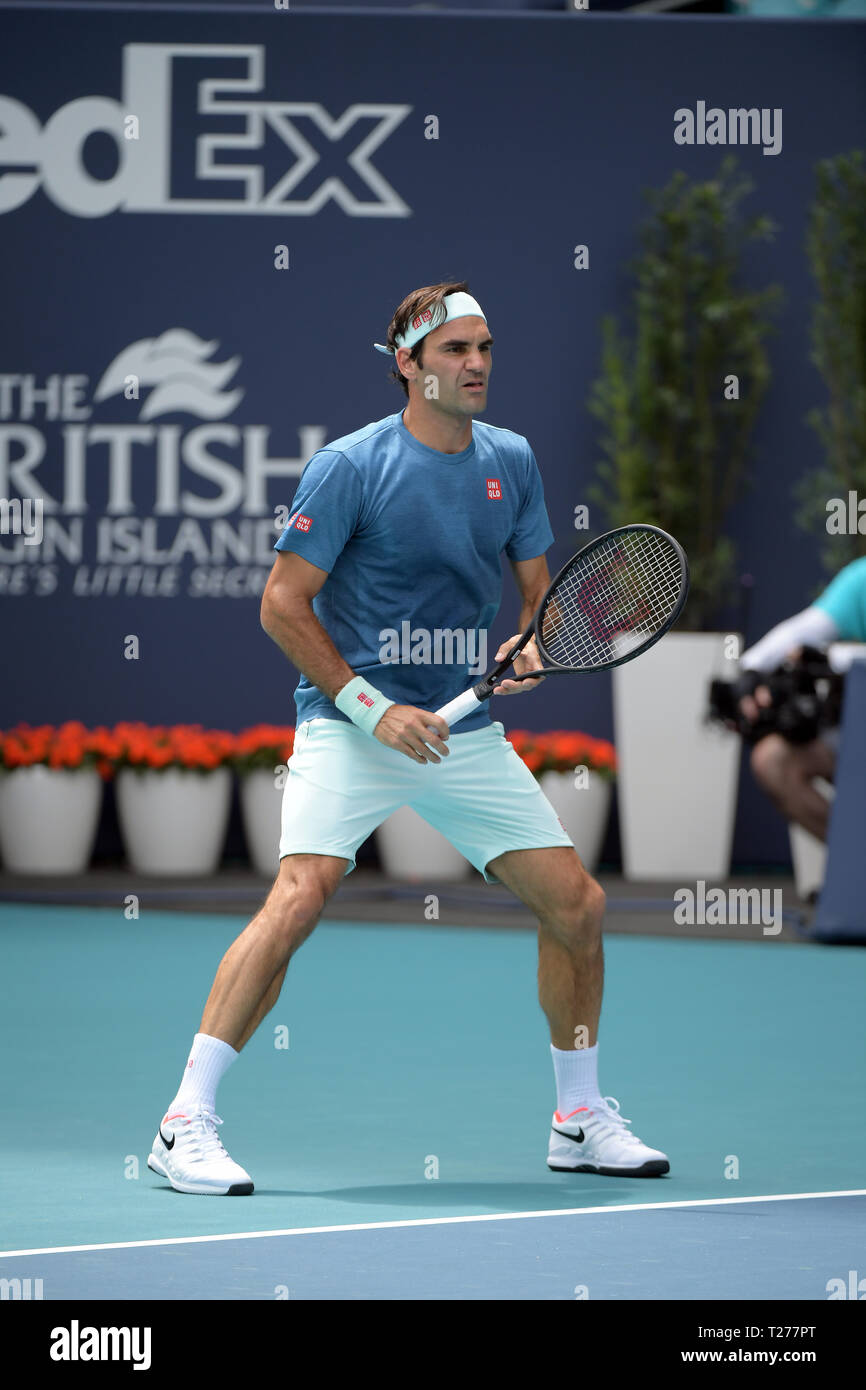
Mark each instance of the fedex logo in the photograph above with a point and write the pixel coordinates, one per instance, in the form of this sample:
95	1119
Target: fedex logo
303	523
177	133
494	491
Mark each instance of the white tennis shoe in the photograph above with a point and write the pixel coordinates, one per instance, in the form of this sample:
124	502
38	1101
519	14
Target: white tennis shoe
596	1140
187	1150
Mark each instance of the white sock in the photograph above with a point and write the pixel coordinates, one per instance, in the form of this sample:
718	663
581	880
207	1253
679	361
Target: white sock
208	1060
576	1078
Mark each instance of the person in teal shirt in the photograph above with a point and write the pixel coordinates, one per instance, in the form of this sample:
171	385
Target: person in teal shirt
799	9
787	771
844	601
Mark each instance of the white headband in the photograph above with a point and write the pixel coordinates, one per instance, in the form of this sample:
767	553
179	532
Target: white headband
457	306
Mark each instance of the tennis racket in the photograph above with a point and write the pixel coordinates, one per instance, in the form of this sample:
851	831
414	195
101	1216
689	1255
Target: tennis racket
612	601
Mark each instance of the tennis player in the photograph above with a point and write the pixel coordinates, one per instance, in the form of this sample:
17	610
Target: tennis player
399	528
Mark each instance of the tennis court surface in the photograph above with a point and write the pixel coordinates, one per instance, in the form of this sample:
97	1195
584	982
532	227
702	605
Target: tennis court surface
394	1110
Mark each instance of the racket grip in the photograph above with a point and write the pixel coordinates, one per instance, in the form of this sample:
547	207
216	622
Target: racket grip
459	708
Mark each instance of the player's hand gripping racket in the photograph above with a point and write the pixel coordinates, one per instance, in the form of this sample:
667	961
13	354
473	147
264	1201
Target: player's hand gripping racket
611	602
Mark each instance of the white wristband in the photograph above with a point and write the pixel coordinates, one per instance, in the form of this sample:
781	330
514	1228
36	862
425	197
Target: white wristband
362	703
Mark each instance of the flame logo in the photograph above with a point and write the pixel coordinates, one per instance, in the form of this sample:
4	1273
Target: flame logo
174	365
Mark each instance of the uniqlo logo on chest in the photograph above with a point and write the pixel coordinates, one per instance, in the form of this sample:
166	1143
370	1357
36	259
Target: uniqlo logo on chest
493	489
303	523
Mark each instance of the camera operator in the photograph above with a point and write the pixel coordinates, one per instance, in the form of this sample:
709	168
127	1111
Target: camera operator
785	770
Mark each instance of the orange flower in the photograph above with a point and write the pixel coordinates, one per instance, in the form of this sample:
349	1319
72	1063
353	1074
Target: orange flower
562	750
136	744
69	746
263	745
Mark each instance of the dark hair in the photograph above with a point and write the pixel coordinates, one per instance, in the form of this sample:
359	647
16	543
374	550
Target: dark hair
418	302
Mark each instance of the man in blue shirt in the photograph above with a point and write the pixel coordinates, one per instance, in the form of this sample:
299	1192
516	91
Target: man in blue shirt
387	577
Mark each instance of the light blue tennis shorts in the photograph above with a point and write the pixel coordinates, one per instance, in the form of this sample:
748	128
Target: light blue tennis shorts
482	797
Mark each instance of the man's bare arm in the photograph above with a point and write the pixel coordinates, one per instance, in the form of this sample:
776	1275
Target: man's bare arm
533	580
287	617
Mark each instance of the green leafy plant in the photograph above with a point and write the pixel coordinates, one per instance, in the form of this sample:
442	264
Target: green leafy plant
836	245
676	431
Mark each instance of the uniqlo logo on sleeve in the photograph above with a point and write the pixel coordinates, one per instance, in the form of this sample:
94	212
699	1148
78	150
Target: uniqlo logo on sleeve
303	523
365	699
493	488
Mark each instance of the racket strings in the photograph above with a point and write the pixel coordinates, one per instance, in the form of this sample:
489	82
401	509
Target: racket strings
618	596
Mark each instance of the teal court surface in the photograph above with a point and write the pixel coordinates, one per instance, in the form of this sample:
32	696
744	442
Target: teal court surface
394	1109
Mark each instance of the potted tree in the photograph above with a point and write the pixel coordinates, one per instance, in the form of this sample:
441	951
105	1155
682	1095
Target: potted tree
51	795
837	254
677	405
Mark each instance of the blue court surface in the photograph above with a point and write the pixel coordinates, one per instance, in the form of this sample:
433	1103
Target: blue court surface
398	1142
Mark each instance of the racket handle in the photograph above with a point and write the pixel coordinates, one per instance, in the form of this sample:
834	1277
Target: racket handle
459	708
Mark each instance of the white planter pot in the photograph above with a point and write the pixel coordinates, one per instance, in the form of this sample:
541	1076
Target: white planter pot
411	850
173	821
677	774
49	818
261	797
808	855
583	811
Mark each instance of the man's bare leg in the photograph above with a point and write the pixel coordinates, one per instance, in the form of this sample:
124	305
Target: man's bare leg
587	1133
569	905
187	1149
251	973
785	772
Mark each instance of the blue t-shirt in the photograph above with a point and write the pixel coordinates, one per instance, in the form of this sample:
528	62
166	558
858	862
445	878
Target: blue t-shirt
412	541
844	600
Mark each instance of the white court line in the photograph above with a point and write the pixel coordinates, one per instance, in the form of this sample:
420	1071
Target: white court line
432	1221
